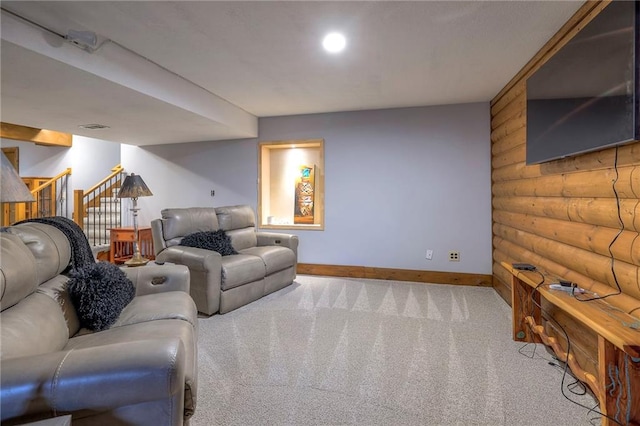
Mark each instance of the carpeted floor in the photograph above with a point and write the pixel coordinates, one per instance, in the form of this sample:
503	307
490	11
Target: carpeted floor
335	351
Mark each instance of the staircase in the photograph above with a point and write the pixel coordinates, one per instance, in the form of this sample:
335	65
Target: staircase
99	209
100	219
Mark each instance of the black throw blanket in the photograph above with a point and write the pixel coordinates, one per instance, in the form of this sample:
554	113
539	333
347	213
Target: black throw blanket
81	254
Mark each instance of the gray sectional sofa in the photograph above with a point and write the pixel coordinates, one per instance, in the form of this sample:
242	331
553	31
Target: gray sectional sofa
266	261
141	370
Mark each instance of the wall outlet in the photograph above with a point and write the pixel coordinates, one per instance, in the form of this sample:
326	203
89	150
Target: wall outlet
454	256
429	255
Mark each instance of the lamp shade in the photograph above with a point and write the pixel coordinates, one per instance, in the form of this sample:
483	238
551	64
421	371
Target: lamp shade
12	188
134	187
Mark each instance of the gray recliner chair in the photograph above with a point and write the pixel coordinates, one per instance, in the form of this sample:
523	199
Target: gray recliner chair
266	261
142	370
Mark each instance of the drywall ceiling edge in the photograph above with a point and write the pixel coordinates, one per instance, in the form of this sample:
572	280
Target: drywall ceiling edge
124	67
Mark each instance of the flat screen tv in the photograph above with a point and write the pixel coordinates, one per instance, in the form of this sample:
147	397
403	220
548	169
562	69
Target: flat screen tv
585	97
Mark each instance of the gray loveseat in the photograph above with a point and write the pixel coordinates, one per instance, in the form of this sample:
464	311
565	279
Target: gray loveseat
142	370
266	261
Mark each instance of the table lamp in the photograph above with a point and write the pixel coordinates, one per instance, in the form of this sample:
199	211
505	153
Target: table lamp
12	188
134	187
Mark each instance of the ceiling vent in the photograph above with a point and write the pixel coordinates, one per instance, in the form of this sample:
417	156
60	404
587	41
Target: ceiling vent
93	126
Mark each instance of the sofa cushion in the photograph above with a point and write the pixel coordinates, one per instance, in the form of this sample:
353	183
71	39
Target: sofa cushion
241	269
76	239
49	246
17	271
239	223
235	217
243	238
217	241
275	258
158	329
56	288
151	307
177	223
32	327
239	296
100	291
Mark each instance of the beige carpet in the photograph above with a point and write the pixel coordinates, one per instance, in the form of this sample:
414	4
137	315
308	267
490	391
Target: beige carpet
333	351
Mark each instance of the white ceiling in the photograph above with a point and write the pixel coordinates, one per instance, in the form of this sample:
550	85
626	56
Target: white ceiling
212	68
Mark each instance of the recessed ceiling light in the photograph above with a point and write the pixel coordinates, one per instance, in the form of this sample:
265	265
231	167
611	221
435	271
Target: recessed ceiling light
334	42
93	126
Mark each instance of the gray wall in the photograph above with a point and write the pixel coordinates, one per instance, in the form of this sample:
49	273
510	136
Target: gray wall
90	161
398	182
39	160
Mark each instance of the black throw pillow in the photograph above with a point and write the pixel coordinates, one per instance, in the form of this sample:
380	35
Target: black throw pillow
210	240
99	292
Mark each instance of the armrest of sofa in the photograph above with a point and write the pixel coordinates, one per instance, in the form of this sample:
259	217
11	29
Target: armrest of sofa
278	239
98	378
196	259
159	278
205	269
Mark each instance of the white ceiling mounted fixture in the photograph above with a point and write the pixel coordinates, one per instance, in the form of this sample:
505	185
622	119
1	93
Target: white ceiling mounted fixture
87	40
121	69
93	126
334	42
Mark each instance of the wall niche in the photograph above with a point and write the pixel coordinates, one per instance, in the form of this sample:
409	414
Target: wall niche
291	184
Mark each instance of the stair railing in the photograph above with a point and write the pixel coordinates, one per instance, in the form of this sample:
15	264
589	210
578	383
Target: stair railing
50	200
51	197
87	205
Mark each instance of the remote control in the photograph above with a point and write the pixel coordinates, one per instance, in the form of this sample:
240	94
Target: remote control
524	266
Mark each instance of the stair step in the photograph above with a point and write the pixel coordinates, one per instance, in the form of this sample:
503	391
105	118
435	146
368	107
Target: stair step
105	208
95	236
98	241
101	226
112	219
94	230
99	235
110	200
93	242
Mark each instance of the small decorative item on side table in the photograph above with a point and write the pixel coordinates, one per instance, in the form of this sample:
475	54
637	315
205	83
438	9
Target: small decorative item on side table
134	187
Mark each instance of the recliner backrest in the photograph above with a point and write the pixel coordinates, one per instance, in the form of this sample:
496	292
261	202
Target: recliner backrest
180	222
52	253
49	246
31	322
18	273
239	222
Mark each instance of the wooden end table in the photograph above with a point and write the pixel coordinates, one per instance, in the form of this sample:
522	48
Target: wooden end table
122	240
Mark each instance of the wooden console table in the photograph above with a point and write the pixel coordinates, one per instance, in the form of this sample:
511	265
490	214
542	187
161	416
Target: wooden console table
122	240
617	383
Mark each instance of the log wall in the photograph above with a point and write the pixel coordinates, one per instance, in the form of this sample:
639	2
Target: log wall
562	216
